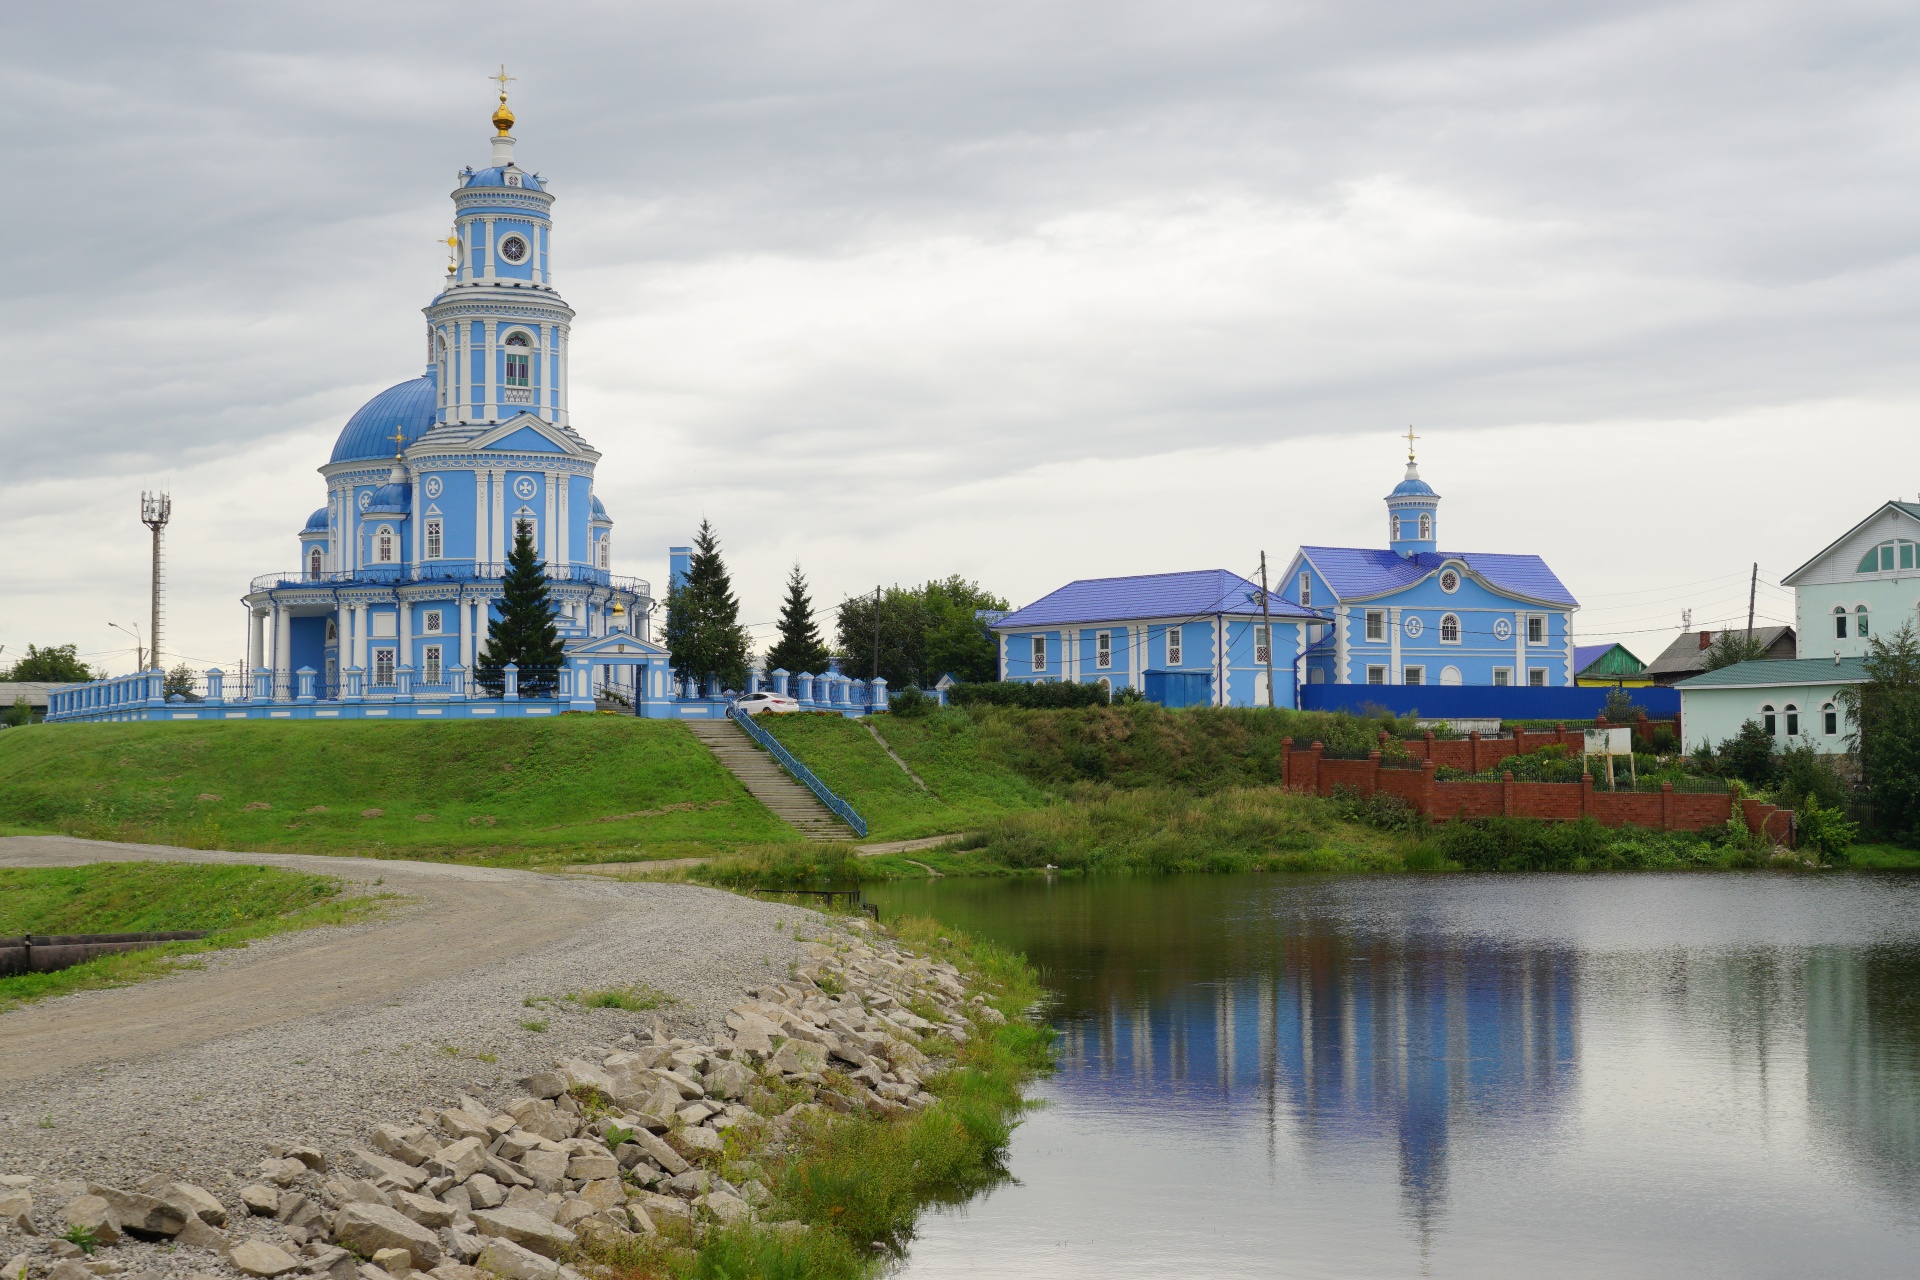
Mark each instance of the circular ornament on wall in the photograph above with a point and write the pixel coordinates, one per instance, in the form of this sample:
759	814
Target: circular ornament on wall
513	249
432	486
1502	628
366	499
1413	627
1449	581
524	487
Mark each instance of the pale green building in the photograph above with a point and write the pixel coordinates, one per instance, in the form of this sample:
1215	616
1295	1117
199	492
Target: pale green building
1865	583
1797	701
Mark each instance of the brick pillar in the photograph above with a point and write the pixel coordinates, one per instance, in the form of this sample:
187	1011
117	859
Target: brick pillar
1426	789
1317	749
1286	759
1426	742
1373	772
1642	731
1506	793
1519	742
1586	795
1560	734
1666	805
1473	751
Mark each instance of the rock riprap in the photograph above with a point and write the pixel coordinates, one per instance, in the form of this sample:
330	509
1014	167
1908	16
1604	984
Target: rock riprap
610	1142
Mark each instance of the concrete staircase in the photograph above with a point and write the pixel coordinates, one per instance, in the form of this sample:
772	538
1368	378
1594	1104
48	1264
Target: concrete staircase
768	782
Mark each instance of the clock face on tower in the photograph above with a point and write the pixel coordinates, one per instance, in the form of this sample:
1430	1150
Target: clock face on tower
513	249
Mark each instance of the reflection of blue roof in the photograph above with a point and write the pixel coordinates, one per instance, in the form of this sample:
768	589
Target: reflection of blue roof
317	522
1356	573
1152	595
407	407
498	178
391	499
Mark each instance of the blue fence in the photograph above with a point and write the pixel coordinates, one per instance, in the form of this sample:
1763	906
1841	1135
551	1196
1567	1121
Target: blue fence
1179	688
1489	702
800	772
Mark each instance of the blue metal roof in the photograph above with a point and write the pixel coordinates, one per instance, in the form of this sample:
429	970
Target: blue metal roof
599	511
317	522
497	178
407	407
1585	655
1152	595
391	499
1359	573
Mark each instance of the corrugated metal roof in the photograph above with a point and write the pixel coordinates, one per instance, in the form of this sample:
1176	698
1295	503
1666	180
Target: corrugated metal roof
1586	656
1686	653
1152	595
1779	671
1357	573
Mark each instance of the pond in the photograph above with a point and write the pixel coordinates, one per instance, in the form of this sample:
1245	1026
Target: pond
1651	1075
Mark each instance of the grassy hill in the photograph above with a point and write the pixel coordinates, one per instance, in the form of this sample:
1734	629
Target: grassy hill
578	788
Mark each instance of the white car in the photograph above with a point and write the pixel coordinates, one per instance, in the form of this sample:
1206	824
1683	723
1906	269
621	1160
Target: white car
754	703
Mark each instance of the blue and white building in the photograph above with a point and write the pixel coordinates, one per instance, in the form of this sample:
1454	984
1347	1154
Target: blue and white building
1182	639
1412	614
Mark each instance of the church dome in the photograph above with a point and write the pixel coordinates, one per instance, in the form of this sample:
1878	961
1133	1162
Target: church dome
393	498
1413	486
408	408
497	177
317	522
599	511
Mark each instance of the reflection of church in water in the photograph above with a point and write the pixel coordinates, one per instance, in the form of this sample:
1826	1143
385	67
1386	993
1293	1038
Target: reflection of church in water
1356	1045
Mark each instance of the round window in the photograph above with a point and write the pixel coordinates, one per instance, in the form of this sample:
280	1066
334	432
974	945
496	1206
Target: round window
1449	581
1502	628
1414	626
513	249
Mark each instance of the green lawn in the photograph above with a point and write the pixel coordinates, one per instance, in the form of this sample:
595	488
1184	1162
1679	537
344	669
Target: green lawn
1883	857
581	788
234	903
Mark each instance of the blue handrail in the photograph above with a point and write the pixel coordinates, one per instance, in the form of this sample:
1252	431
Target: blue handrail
800	772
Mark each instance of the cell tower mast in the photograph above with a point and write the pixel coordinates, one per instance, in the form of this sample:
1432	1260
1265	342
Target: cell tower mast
155	510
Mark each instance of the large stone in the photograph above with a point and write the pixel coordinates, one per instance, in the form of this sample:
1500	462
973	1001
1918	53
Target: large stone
728	1079
198	1235
308	1156
68	1269
16	1211
524	1227
456	1271
688	1087
725	1208
755	1039
94	1214
258	1258
387	1173
588	1167
282	1171
800	1057
261	1199
458	1124
483	1192
584	1075
661	1154
902	1054
368	1228
459	1160
424	1210
544	1167
607	1193
508	1261
503	1173
544	1084
408	1145
142	1214
195	1202
695	1140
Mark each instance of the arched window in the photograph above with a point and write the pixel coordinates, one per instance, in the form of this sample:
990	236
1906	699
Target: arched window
1829	720
1426	527
518	359
313	564
1450	675
1860	622
1839	622
383	547
1449	630
1767	720
1793	720
1107	684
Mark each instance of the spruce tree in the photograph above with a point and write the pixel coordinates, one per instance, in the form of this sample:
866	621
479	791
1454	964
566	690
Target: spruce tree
703	631
800	647
525	633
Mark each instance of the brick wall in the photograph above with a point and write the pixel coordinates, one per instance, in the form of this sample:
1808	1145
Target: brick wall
1474	753
1664	810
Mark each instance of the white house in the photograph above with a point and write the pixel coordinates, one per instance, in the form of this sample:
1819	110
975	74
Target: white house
1867	581
1796	700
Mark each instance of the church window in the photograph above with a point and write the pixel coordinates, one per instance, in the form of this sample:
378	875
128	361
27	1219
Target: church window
1103	650
1840	622
1449	582
333	631
1306	589
434	540
1829	720
513	249
430	622
1793	720
430	664
1376	624
313	563
1860	622
383	545
1262	649
1536	629
603	553
1502	677
1768	721
1449	630
1376	675
1316	675
1039	653
1426	527
524	525
1537	677
1173	646
383	666
1413	675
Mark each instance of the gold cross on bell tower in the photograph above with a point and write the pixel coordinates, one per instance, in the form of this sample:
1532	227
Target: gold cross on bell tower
502	118
1410	439
503	78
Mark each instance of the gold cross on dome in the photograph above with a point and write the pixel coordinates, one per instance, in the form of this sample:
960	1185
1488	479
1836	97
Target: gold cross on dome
399	440
1410	439
503	77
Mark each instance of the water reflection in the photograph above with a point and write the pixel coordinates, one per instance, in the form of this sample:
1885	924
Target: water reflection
1581	1075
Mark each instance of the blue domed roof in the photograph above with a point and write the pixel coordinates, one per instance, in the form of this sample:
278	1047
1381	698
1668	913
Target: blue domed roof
394	499
599	511
317	522
1413	486
408	407
497	177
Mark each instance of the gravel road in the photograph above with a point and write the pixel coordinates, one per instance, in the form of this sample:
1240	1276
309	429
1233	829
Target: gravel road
316	1036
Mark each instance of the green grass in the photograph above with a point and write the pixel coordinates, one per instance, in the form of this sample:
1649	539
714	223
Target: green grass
581	788
635	999
236	904
1883	857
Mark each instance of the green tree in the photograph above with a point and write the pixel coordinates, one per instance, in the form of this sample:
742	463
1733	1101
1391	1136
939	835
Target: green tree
524	634
1730	647
799	647
180	680
924	632
59	663
1748	755
1885	711
703	631
20	713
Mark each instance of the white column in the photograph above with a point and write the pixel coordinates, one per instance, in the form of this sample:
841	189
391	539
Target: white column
489	269
1393	646
561	339
566	493
466	635
486	352
547	543
418	546
1519	648
360	626
498	479
406	630
1340	616
482	510
257	643
282	648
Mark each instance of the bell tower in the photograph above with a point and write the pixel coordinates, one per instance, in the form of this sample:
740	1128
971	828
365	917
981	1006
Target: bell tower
1413	511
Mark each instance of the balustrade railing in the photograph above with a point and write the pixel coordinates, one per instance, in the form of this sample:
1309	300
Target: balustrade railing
800	772
444	571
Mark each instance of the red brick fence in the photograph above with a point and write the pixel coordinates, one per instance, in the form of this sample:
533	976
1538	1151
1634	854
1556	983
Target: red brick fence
1664	810
1475	754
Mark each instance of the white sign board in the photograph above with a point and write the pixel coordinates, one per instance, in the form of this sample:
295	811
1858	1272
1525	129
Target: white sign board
1610	742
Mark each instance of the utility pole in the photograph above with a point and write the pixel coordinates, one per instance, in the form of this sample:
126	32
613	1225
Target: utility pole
1266	620
1753	588
876	631
139	648
155	510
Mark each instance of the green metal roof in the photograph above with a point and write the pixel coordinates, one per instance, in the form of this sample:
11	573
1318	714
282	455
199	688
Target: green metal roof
1605	660
1780	672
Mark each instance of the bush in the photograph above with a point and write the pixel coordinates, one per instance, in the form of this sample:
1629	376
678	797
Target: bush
1749	756
1825	829
1380	810
1020	693
1664	743
1526	844
1806	777
910	702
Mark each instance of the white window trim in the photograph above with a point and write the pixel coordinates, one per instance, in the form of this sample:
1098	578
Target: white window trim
1176	646
1458	629
1502	671
1413	667
436	540
1262	644
1373	667
431	666
1103	650
431	622
1377	625
389	656
1039	654
1546	630
1829	710
1532	683
1306	589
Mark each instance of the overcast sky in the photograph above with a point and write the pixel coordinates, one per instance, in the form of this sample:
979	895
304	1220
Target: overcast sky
1025	292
